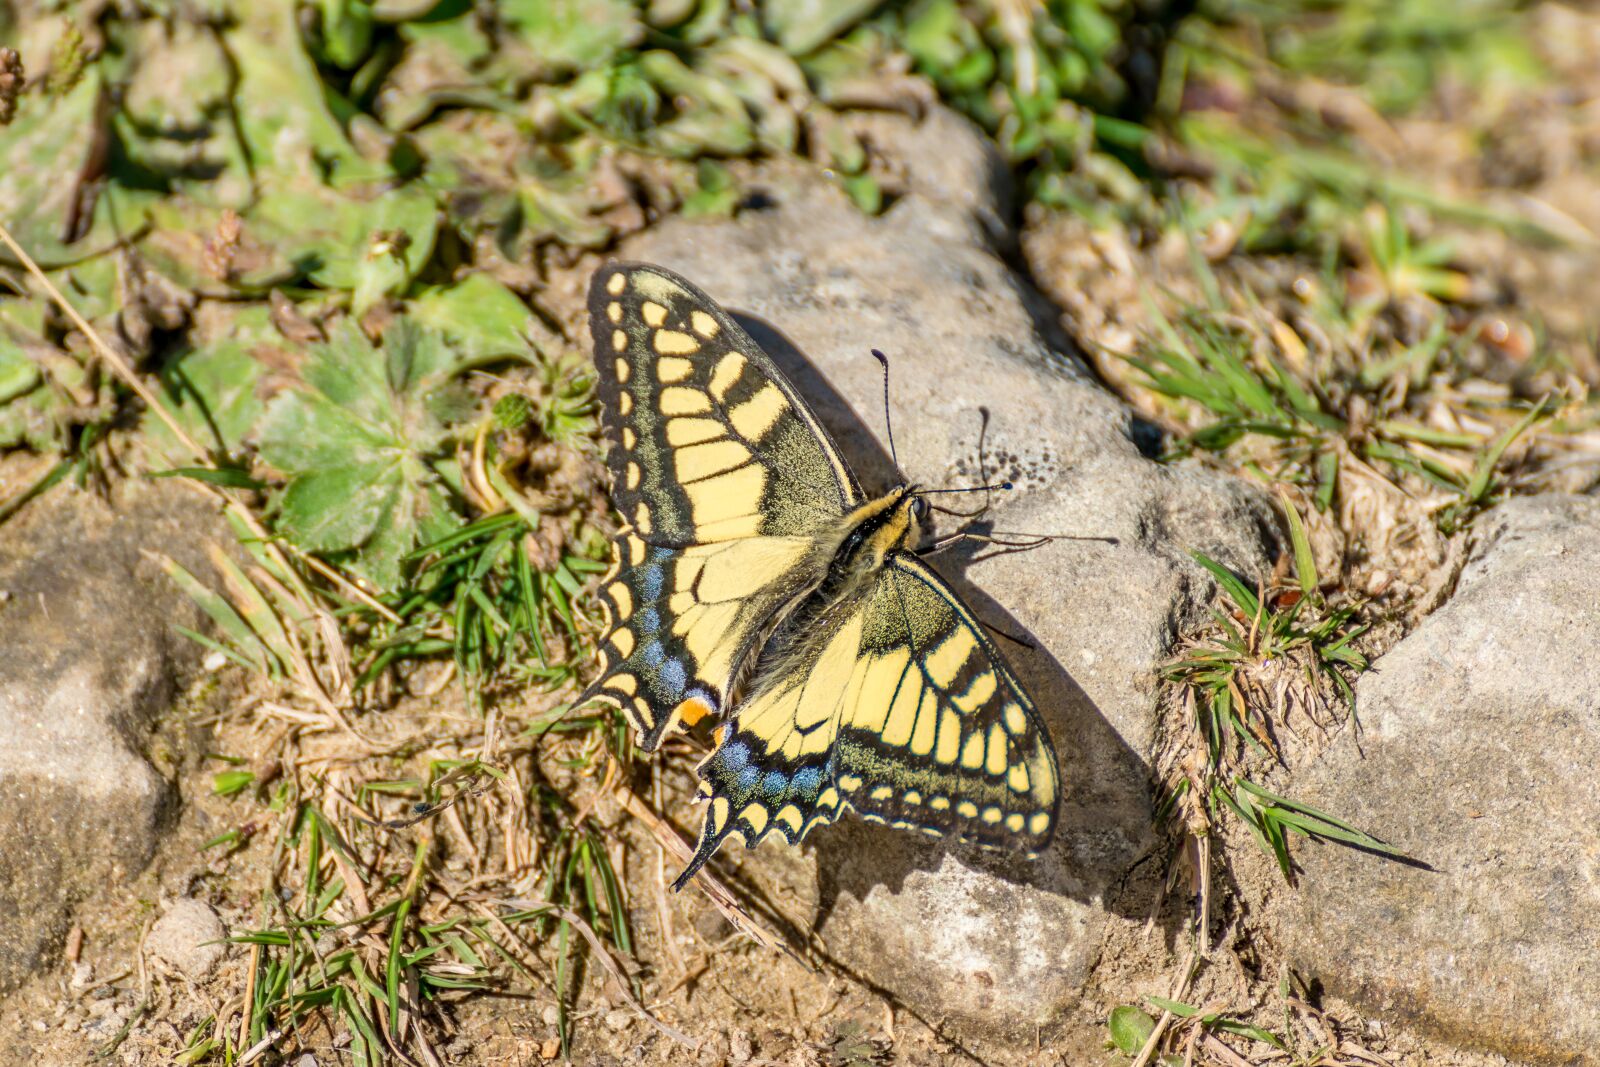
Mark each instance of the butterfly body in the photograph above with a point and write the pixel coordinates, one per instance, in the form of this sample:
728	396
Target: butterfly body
755	583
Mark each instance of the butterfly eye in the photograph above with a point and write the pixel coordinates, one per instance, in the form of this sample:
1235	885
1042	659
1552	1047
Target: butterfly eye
919	509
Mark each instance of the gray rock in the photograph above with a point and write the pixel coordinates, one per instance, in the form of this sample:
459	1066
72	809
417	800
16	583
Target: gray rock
87	656
993	941
188	938
1479	739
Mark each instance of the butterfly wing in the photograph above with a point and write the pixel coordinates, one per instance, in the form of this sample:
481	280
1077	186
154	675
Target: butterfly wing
907	713
726	481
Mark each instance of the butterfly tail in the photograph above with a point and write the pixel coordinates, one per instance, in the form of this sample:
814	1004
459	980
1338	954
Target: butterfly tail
716	829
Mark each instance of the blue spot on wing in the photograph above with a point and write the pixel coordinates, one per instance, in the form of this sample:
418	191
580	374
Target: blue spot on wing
673	676
652	655
650	578
734	755
806	781
647	621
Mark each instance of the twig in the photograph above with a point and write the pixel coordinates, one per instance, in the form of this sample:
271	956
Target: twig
1222	1052
249	1009
259	1049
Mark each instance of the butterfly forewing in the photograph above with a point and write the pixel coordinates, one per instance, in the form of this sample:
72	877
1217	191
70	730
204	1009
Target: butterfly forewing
709	441
726	483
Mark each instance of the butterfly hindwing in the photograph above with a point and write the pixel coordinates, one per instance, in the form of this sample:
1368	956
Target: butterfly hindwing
709	441
906	712
681	620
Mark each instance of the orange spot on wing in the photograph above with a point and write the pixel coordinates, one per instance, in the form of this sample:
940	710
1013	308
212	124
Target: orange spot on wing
691	711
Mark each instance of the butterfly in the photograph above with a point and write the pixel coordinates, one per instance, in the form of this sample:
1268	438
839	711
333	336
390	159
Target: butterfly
754	584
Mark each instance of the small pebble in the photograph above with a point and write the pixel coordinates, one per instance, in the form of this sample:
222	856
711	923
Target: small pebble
188	938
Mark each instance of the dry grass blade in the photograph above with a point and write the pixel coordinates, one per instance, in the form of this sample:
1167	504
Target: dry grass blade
1180	986
606	962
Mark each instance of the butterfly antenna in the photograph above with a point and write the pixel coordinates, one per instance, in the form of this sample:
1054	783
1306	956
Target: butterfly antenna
888	423
967	489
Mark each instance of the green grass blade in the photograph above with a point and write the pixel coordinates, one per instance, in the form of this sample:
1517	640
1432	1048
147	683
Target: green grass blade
1237	591
1305	563
1483	471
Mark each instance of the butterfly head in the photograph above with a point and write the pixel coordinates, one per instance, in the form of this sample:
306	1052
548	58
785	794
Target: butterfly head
919	508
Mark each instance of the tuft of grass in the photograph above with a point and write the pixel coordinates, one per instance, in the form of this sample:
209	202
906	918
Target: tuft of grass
368	940
1230	683
1240	381
1188	1033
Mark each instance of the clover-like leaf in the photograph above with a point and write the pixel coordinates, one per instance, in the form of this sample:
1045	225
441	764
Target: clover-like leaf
364	446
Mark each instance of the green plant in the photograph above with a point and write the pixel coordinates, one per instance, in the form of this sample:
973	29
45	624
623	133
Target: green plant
1247	386
1222	680
364	447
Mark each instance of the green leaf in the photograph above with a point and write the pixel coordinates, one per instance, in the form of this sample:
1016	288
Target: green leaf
1130	1028
213	391
716	193
801	26
1483	471
175	119
44	148
346	31
481	318
244	645
711	118
1176	1007
371	244
280	102
1237	591
1305	563
232	477
18	373
365	449
229	783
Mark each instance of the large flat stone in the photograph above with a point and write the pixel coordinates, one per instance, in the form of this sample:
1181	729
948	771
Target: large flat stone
87	657
1480	735
995	943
